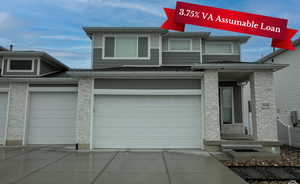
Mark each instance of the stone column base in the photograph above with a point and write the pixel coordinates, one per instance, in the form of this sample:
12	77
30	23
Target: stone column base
14	142
83	146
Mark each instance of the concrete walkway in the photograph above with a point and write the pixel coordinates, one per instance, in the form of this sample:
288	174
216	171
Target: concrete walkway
52	165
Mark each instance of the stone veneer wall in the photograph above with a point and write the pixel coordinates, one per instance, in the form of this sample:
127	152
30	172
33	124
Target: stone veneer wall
263	106
84	111
18	95
211	105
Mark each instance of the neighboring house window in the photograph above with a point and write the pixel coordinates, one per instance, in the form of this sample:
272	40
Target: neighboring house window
219	48
20	65
180	45
126	47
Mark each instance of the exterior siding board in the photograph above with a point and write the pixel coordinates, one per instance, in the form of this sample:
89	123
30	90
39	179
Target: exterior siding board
101	63
181	58
46	68
218	58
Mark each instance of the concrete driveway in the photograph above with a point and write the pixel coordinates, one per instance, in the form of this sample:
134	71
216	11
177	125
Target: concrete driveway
45	165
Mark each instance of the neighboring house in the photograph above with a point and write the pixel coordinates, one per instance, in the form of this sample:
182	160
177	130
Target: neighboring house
286	82
147	88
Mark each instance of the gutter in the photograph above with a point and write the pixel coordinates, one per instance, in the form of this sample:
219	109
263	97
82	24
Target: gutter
41	80
240	67
134	75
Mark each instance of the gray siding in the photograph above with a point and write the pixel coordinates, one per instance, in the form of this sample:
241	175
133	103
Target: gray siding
181	58
98	62
35	63
283	135
46	68
147	84
219	58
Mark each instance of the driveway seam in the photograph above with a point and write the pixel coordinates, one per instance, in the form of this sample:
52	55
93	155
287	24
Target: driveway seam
26	152
104	168
166	166
38	169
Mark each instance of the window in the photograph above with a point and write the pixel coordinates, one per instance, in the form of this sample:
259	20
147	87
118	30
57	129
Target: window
218	48
126	47
20	65
180	45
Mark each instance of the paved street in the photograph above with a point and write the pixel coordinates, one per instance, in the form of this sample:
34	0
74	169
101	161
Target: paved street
45	165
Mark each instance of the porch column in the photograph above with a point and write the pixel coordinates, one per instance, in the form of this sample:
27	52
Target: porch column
18	99
263	106
211	105
84	112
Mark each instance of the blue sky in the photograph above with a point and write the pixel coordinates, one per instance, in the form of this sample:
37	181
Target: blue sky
54	26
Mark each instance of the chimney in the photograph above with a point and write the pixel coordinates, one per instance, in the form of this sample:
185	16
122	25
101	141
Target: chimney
11	47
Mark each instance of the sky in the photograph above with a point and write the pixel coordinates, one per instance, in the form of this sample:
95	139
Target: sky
55	26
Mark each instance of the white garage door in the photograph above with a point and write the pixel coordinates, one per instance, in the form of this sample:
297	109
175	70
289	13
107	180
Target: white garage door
52	118
147	122
3	114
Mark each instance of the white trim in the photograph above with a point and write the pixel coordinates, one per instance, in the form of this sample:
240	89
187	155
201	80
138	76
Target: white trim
181	39
53	89
4	90
39	67
7	113
48	73
146	92
16	59
115	47
160	62
93	46
26	116
2	67
219	42
201	51
221	106
92	116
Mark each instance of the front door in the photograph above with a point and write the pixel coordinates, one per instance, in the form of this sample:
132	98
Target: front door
227	106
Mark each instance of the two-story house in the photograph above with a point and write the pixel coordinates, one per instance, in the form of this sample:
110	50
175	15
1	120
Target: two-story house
147	88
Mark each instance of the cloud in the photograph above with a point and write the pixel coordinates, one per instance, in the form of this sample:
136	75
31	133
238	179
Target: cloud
64	37
146	8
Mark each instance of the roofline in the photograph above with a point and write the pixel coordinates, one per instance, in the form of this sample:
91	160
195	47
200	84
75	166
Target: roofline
3	48
241	66
135	74
90	30
35	54
54	80
277	52
188	34
242	39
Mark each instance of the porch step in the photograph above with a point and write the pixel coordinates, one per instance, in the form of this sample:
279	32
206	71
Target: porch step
236	137
241	147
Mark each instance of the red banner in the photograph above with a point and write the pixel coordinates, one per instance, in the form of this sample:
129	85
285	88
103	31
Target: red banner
229	20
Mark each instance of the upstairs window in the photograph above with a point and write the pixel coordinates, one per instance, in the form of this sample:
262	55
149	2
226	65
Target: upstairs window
20	65
126	47
180	45
219	48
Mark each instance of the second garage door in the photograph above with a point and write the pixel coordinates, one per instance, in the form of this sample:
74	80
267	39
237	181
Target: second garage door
128	121
52	118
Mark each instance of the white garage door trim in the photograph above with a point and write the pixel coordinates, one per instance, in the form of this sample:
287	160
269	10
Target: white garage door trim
135	92
146	92
4	92
43	90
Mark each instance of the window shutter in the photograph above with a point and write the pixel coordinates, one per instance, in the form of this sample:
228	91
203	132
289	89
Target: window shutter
143	47
109	47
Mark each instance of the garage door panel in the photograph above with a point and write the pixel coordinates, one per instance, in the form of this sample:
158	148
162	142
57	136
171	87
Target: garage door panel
147	122
52	118
3	114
